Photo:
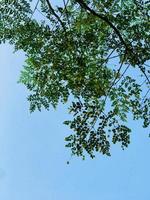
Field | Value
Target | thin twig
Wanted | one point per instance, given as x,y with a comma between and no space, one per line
113,83
108,57
118,72
114,56
41,13
122,74
145,95
35,8
65,8
143,82
143,71
147,65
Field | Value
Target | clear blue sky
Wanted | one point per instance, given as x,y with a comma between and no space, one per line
33,157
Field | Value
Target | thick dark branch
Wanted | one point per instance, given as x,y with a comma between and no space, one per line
54,13
104,18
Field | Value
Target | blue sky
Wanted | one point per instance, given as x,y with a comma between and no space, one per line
33,157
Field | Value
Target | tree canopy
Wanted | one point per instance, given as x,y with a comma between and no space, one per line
92,54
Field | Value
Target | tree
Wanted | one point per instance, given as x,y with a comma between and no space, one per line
90,52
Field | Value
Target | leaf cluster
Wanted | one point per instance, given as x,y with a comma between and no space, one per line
95,52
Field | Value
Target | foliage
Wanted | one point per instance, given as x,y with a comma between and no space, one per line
96,53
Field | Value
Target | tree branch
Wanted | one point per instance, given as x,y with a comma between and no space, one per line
54,13
35,8
143,71
104,18
109,89
122,75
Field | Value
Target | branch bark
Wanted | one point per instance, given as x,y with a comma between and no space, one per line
105,19
54,13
